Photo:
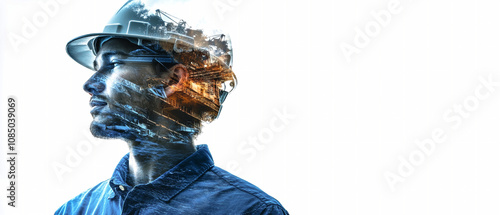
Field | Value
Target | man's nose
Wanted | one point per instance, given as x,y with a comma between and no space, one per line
95,85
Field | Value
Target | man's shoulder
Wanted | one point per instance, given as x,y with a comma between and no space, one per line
239,191
242,185
86,199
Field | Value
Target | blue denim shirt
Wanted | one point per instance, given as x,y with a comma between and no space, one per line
194,186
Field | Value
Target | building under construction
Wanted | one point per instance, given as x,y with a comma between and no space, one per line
208,62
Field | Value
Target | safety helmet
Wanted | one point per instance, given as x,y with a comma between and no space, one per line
208,58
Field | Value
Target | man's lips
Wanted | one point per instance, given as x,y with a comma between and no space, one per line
95,102
97,105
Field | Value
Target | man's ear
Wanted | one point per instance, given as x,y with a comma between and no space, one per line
177,80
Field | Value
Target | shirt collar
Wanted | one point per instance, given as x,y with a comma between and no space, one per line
171,182
119,178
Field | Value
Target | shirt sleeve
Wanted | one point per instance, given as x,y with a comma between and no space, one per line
274,210
61,210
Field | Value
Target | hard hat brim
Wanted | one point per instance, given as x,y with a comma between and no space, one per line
82,50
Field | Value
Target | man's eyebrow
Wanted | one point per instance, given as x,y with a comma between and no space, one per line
108,55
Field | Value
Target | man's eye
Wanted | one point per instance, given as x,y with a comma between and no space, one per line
115,63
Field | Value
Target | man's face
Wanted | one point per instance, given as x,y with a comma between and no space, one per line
121,107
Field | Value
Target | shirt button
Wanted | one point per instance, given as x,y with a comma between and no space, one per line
121,187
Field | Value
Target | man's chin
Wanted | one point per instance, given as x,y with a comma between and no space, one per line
100,130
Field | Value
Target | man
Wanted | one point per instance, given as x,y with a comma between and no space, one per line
155,82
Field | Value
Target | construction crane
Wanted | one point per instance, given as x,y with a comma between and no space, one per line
181,24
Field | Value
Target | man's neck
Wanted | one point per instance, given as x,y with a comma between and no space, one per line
149,160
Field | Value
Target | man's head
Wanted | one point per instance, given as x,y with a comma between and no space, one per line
154,76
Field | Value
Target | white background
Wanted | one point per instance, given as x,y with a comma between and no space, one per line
352,121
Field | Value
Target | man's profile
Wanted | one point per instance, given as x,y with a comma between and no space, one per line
156,81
